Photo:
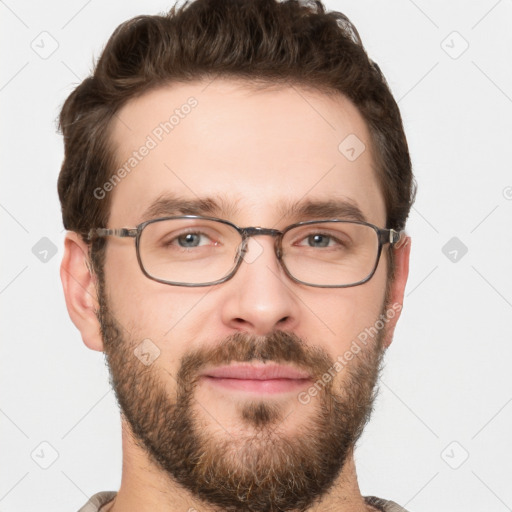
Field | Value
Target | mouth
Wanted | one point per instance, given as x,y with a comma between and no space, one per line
262,378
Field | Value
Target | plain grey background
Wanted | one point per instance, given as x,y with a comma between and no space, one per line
440,435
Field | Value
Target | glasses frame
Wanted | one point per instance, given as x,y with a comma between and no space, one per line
384,236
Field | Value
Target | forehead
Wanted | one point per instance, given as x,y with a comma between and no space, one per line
257,155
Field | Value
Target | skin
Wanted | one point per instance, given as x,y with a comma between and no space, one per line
259,151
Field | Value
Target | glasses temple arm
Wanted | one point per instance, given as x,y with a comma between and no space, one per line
121,232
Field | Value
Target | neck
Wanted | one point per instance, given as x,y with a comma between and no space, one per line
145,487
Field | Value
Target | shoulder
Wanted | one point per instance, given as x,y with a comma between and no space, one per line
384,505
97,501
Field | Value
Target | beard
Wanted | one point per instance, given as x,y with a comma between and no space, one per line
263,467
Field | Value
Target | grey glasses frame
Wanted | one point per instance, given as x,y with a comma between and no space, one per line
384,236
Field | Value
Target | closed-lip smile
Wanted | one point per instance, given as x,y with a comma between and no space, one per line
262,378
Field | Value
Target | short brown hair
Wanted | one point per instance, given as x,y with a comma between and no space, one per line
261,41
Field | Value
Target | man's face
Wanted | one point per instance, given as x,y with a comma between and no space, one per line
257,154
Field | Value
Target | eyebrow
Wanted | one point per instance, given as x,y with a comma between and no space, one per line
169,205
345,209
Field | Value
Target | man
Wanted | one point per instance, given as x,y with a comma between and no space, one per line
235,187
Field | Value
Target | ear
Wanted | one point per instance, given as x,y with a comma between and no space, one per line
79,284
397,288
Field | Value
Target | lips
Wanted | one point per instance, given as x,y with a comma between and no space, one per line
265,378
260,372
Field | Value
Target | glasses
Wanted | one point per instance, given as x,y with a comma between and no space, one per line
192,250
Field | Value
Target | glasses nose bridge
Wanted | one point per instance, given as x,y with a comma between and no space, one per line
249,232
256,231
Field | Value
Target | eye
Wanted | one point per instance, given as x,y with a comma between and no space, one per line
319,240
189,240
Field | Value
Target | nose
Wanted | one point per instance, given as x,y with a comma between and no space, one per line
260,298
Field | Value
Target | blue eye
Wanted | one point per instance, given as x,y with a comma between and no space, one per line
189,240
318,240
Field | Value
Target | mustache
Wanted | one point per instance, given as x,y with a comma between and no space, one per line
278,347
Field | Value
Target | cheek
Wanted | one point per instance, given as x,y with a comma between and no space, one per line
146,308
340,316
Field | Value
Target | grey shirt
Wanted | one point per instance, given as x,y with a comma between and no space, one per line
102,498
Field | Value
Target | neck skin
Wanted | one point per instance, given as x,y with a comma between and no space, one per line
145,488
